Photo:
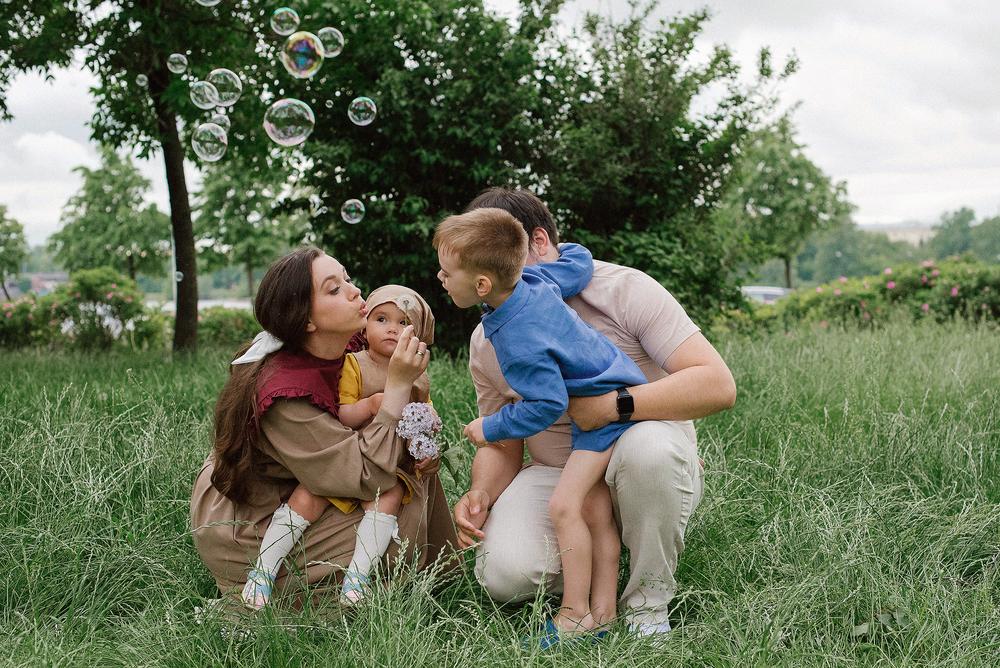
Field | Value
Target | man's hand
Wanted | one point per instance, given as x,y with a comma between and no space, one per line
591,413
471,512
474,432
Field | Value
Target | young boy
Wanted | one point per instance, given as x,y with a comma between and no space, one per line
547,354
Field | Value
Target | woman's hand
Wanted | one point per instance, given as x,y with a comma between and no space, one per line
409,360
591,413
471,512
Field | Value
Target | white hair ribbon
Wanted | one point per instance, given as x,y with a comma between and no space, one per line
263,345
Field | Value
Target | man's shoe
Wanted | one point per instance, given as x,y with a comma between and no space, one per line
646,629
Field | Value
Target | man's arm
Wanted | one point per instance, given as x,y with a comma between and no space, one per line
700,383
493,469
493,466
571,273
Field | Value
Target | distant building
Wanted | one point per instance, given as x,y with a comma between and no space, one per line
915,234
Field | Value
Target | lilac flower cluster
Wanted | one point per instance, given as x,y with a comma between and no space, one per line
419,424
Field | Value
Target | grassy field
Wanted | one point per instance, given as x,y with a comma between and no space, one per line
851,517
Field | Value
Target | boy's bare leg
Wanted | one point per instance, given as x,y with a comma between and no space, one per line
582,471
606,552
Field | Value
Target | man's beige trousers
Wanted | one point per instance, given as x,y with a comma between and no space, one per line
656,483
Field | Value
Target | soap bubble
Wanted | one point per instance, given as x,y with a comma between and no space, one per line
333,41
221,120
177,63
284,20
227,85
362,111
329,104
209,142
352,211
204,95
302,54
288,122
178,276
208,3
142,80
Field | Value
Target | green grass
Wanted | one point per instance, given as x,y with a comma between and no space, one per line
851,517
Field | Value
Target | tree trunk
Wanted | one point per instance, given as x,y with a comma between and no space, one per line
788,272
185,260
3,284
250,280
131,267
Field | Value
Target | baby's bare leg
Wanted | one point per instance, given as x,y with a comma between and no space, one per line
307,504
387,502
606,552
583,470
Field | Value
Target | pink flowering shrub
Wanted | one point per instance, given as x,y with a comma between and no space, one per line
17,322
97,309
943,291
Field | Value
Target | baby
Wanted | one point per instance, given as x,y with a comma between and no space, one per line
547,354
362,381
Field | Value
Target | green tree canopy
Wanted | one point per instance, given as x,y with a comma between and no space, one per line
953,234
106,222
778,198
986,240
13,248
633,167
238,220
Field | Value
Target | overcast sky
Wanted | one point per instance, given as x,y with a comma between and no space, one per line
900,99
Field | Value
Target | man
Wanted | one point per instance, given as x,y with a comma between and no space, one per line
655,475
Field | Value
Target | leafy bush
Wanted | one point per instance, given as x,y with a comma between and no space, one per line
16,322
944,291
226,327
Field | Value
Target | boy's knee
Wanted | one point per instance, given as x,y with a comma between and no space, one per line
559,510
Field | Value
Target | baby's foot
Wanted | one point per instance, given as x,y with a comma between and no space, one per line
257,591
353,589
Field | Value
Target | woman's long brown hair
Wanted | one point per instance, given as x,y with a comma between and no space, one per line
282,306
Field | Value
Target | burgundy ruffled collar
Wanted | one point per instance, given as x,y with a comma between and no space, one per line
289,375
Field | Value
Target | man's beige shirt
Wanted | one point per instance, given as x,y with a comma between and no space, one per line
629,307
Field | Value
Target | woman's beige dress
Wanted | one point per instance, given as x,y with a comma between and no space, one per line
302,443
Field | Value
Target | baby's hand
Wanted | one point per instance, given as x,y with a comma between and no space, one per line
474,432
375,403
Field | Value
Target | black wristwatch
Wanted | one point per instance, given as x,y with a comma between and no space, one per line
626,405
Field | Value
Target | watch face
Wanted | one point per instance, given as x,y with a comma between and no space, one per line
625,403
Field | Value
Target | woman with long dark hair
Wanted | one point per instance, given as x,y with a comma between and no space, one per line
276,425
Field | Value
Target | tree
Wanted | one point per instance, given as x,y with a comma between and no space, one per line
953,234
846,250
630,167
462,102
778,198
106,223
237,218
127,38
13,248
986,240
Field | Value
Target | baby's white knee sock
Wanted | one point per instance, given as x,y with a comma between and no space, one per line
375,532
286,529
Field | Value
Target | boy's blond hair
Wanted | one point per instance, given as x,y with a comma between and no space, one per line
485,240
